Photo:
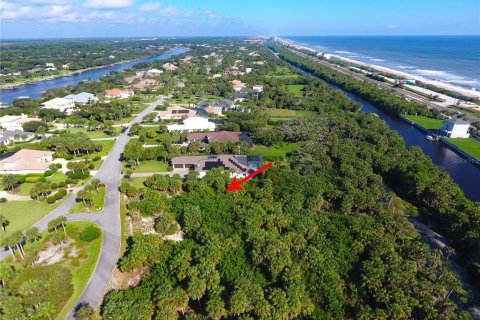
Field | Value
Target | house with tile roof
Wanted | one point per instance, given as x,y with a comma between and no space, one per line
26,161
176,112
237,165
219,136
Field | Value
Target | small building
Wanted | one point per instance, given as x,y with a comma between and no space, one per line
26,161
176,112
50,65
82,98
60,104
193,124
9,136
455,128
238,165
118,94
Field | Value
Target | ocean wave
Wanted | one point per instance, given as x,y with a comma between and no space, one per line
405,67
344,52
444,76
473,83
377,60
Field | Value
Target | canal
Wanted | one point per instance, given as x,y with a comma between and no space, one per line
34,90
462,171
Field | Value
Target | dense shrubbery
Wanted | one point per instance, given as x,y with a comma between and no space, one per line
90,233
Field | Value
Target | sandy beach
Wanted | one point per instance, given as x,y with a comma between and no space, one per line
406,75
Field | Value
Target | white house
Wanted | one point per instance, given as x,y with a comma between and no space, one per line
9,136
455,128
257,88
154,72
193,124
61,104
82,97
15,122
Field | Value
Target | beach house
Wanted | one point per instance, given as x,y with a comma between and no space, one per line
118,94
455,128
176,112
60,104
82,98
193,124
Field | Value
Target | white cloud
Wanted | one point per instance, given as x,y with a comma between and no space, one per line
9,12
170,12
211,14
189,14
392,26
55,11
51,1
151,6
108,4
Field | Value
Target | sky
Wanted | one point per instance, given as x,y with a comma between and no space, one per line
152,18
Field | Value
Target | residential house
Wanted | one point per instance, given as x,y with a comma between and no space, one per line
220,136
257,88
238,165
15,122
237,85
26,161
144,84
455,128
82,98
9,136
118,93
176,112
60,104
50,65
169,66
153,72
193,124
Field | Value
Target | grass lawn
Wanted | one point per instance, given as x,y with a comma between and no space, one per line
426,122
54,178
136,181
98,203
107,146
470,111
296,89
95,134
147,166
470,146
274,151
83,271
124,120
287,113
22,214
282,72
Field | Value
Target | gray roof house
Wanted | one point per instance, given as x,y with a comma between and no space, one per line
82,97
8,136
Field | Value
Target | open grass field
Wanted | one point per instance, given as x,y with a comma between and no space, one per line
54,178
426,122
136,181
296,89
95,134
275,151
98,203
470,146
107,146
147,166
83,271
22,214
282,72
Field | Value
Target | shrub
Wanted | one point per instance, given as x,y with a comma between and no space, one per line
78,174
62,184
54,185
91,166
68,157
51,199
96,158
90,233
58,165
71,181
35,179
60,194
3,200
48,173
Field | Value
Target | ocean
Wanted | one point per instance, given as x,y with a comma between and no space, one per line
454,60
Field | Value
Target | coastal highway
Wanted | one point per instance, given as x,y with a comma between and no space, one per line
399,91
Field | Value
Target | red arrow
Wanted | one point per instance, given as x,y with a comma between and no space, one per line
236,185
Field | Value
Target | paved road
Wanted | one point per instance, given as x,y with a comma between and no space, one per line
108,219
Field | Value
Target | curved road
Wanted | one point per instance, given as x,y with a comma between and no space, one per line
108,219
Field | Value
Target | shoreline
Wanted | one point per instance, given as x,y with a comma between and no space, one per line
457,89
14,85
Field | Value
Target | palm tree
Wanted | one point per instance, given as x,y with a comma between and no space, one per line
10,243
45,309
4,222
17,236
52,224
62,220
33,234
9,182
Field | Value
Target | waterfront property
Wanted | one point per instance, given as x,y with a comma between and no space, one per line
82,98
26,161
193,124
455,128
238,165
60,104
